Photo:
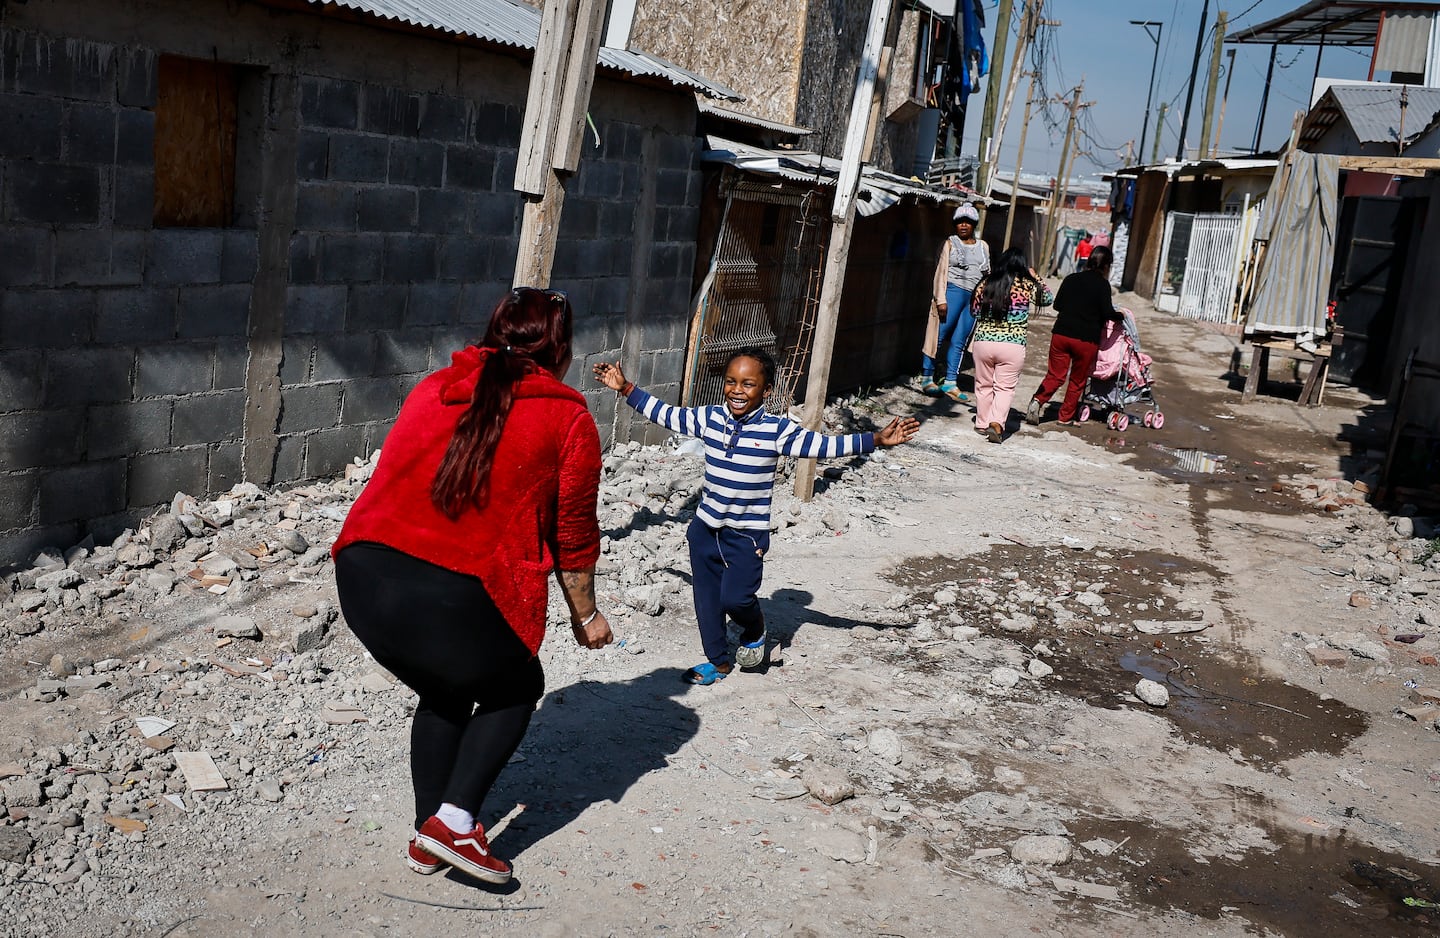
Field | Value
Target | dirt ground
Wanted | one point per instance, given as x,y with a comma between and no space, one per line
957,628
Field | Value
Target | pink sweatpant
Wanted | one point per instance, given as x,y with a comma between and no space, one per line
997,372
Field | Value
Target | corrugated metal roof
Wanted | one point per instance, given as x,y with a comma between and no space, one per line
879,190
509,23
1327,22
1373,111
751,120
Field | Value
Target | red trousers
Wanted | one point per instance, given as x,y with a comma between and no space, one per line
1076,357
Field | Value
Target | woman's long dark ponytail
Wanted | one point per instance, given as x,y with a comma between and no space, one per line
529,330
995,289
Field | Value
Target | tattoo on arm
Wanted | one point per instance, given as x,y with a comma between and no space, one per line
579,589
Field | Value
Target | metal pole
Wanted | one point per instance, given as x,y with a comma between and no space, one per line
1194,73
1264,101
1150,89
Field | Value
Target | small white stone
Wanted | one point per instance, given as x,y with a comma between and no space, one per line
1152,693
1038,668
1004,677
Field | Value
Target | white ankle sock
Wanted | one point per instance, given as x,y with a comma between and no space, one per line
457,819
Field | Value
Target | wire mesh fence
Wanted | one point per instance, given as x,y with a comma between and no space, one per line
762,289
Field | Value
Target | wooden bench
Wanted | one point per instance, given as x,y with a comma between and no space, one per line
1312,392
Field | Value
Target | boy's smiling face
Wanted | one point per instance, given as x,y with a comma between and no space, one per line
745,386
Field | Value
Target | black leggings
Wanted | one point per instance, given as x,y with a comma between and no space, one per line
440,633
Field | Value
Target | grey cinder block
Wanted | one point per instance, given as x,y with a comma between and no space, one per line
343,356
88,375
154,478
46,318
173,368
184,256
208,418
126,429
136,315
78,493
53,193
32,127
327,102
309,407
214,311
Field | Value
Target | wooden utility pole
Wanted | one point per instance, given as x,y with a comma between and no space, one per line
561,76
1212,85
878,37
1052,226
1224,99
989,154
1019,161
1159,126
1029,22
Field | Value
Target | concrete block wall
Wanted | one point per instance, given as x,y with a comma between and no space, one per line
128,353
122,347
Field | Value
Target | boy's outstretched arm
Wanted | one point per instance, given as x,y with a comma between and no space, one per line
898,431
610,375
684,420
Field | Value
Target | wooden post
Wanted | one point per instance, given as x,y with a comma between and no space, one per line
1212,85
561,77
842,218
1052,226
1019,161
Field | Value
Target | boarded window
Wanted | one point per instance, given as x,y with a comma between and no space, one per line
195,115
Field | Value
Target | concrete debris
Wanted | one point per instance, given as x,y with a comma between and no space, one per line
828,784
1042,850
885,745
236,627
1087,890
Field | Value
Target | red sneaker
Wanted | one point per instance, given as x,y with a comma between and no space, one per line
420,860
468,853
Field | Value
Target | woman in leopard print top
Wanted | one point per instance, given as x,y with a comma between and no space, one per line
1002,313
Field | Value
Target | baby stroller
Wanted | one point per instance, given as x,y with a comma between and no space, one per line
1121,378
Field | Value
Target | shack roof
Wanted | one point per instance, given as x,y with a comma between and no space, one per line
878,190
1328,22
1373,111
508,23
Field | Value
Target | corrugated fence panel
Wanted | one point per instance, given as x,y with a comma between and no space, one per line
1294,281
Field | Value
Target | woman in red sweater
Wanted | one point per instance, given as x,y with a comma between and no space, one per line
486,484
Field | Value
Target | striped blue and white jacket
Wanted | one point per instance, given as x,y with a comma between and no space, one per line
741,455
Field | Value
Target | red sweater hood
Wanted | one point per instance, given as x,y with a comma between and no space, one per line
543,485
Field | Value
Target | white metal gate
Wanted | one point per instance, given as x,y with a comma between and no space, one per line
1212,268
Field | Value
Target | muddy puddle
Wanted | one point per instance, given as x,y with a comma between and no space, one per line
1215,700
1305,885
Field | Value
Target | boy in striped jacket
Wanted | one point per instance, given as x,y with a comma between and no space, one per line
731,531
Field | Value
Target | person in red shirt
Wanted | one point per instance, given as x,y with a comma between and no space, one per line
487,482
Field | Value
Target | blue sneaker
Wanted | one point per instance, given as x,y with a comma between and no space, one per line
751,654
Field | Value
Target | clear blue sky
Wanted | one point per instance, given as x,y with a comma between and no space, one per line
1095,41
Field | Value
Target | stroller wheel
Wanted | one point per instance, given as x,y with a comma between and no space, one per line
1083,415
1158,420
1149,418
1121,422
1110,420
